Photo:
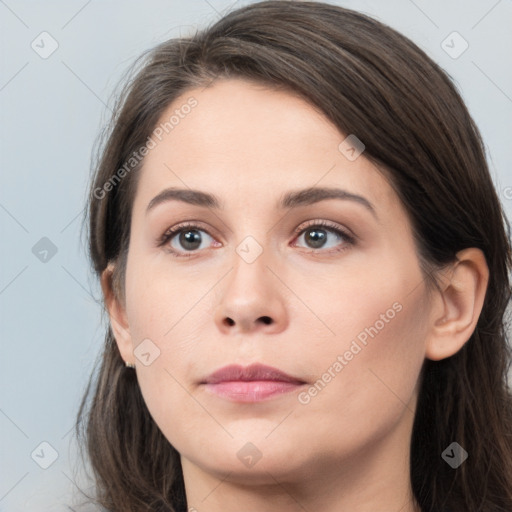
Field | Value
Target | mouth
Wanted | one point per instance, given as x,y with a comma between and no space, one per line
253,383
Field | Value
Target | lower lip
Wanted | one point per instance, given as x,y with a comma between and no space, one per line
251,391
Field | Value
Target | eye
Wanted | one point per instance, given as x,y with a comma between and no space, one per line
316,236
184,238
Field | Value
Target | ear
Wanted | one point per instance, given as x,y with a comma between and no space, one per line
457,308
117,315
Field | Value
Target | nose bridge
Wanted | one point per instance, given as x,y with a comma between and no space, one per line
249,278
251,295
252,250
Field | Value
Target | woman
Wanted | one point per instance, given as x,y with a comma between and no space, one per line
305,267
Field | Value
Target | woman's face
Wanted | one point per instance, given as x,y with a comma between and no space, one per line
258,280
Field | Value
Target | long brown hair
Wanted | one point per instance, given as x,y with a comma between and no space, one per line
371,81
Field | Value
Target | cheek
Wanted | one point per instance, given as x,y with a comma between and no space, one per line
157,303
367,371
164,334
164,315
180,417
376,367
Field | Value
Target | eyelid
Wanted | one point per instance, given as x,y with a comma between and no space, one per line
175,229
346,232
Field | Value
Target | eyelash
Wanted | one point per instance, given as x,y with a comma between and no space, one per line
350,240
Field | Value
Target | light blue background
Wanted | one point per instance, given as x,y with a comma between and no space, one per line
51,113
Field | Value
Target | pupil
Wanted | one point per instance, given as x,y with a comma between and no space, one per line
316,237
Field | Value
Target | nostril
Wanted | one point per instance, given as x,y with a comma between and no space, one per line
265,319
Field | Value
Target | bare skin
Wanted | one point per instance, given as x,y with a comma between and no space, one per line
344,446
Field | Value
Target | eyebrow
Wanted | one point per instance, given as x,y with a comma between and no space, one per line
292,199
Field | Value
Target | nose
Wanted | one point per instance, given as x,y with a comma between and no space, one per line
252,299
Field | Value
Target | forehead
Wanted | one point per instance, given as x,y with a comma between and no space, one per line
248,143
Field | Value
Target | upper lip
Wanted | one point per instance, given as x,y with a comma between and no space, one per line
254,371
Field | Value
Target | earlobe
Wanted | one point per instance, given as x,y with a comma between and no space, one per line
117,315
459,305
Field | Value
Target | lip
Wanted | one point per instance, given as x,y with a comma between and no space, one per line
254,383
